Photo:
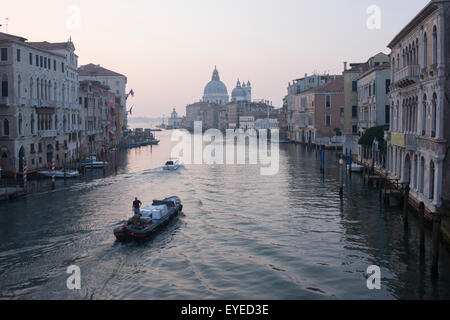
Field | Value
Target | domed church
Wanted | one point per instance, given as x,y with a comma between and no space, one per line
242,93
216,91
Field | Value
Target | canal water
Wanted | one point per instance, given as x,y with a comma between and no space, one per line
242,235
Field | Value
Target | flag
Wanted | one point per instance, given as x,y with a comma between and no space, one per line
132,92
131,111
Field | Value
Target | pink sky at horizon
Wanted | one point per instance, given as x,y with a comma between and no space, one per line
168,49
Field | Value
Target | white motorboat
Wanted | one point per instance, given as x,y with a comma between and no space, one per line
60,174
172,164
356,168
91,162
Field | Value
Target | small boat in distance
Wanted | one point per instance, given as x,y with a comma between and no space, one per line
154,142
91,162
355,168
153,217
60,174
172,164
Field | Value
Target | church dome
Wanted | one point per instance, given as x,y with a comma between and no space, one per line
238,92
215,86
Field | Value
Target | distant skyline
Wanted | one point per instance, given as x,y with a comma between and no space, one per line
168,49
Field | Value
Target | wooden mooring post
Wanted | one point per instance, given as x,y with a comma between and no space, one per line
435,244
422,228
405,206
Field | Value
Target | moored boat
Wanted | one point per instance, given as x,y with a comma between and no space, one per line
91,162
153,218
60,174
154,142
355,168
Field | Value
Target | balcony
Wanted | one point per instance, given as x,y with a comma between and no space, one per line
21,101
94,132
407,76
4,101
48,134
46,103
404,140
410,142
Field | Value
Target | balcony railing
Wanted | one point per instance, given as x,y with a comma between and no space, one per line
407,76
410,142
48,134
4,101
404,140
21,101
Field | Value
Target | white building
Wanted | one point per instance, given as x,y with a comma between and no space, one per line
247,122
419,134
175,121
373,95
39,111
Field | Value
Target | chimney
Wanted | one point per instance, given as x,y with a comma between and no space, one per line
345,66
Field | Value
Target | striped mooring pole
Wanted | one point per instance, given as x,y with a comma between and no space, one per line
53,175
25,169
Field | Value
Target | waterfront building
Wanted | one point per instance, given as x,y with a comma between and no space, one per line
419,131
294,122
320,113
175,121
373,99
195,112
374,107
115,81
39,113
351,109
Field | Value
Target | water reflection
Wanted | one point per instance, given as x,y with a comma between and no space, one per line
243,235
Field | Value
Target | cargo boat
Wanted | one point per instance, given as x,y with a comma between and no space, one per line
153,218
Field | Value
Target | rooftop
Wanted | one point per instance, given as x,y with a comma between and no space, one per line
95,70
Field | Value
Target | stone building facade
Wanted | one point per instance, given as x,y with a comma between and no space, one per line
420,112
39,111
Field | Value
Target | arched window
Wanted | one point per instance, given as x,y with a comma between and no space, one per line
6,128
431,195
5,86
424,115
20,124
31,88
416,168
19,87
38,89
417,51
435,45
425,50
422,174
433,115
397,116
32,124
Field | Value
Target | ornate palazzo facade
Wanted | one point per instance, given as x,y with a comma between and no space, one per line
419,114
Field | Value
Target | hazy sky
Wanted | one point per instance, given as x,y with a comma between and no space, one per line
168,49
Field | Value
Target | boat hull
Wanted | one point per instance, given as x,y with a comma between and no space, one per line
129,232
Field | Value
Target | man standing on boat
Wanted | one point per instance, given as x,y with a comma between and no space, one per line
137,206
137,211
